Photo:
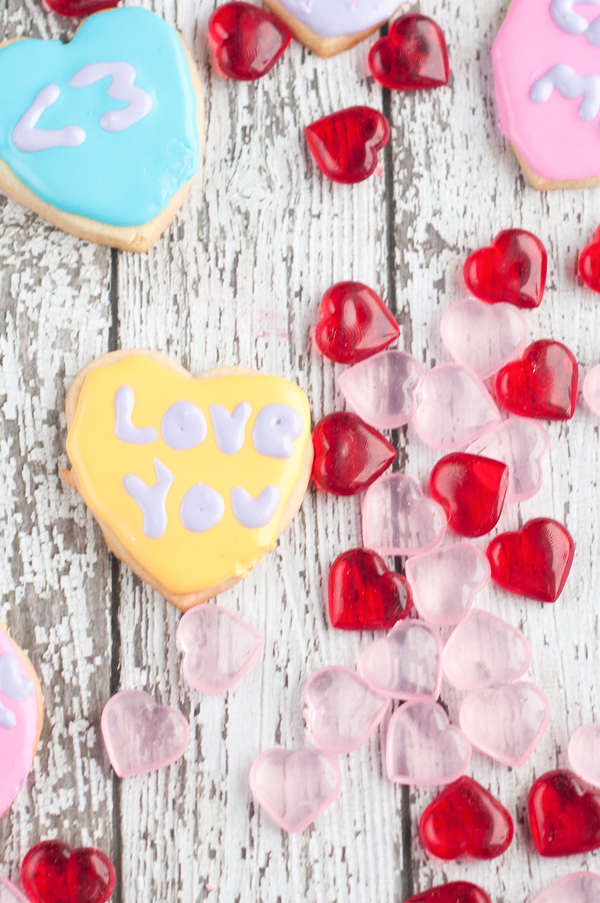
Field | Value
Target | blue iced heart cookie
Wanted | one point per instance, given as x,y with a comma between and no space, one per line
105,127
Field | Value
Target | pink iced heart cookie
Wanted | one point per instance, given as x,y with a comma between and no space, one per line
591,389
484,337
506,723
11,894
218,648
344,710
579,887
584,753
485,650
445,581
383,389
398,519
407,664
522,445
456,408
295,787
141,736
423,749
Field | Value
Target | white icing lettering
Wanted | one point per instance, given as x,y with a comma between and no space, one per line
570,85
11,683
275,429
151,499
8,719
124,428
201,508
572,23
122,75
183,426
27,138
230,429
254,513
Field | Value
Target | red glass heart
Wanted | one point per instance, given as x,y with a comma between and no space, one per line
512,269
349,454
413,55
588,265
354,323
54,873
564,815
364,594
542,384
454,892
246,41
535,561
77,8
345,144
471,490
466,821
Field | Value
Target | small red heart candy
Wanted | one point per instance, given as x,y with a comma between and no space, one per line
542,384
564,814
471,490
512,269
466,821
364,594
413,55
588,265
354,323
345,144
246,41
454,892
534,561
54,873
349,454
78,8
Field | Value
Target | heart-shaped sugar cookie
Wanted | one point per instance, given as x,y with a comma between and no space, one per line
191,480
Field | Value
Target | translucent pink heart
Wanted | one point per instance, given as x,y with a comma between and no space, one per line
218,647
485,650
591,389
484,337
579,887
522,445
382,389
406,664
584,753
445,581
398,519
456,408
295,787
141,736
423,748
344,710
10,894
506,723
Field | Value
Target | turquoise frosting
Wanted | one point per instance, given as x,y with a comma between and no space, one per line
123,178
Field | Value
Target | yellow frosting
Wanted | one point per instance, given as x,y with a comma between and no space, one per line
180,560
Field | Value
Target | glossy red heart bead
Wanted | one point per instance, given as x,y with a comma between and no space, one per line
542,384
364,594
345,144
354,323
245,40
413,55
78,8
534,561
471,490
588,265
466,822
564,814
349,454
453,892
52,872
513,269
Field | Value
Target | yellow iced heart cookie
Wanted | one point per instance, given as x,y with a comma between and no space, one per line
191,480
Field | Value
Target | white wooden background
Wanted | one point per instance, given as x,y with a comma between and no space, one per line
237,280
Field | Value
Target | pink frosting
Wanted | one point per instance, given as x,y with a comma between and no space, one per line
17,743
551,136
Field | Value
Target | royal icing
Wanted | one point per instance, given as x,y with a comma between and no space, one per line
547,74
331,18
105,126
19,717
203,502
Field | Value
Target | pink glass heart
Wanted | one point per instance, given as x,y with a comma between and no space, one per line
456,408
485,650
522,445
382,390
295,787
445,581
584,753
406,664
423,749
591,389
579,887
506,723
484,337
398,519
344,710
218,647
10,894
141,736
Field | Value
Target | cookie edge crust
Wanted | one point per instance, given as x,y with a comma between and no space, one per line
183,601
36,681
